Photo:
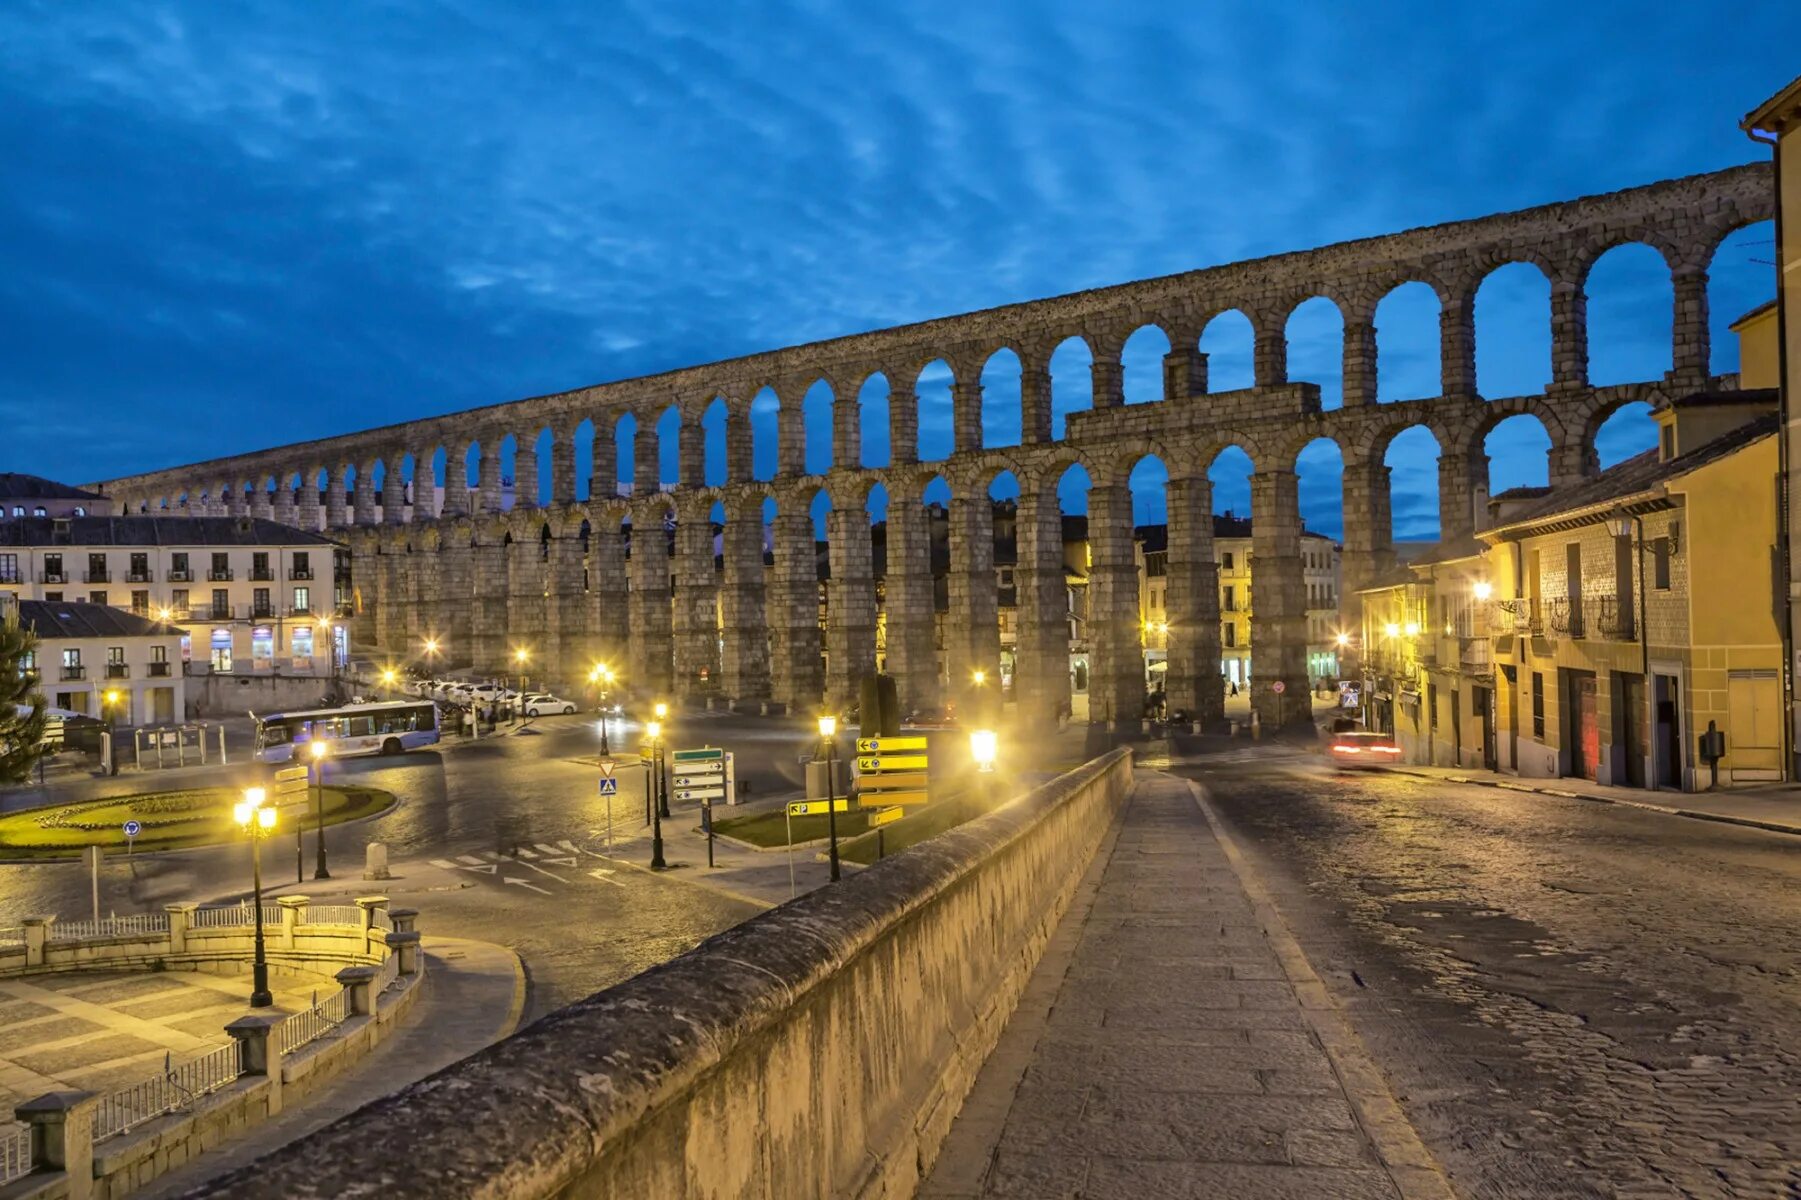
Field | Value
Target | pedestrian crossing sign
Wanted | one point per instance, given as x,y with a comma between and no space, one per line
609,786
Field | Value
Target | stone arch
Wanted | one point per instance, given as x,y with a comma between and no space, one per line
1517,447
1141,358
874,421
1228,344
1408,319
1001,377
933,383
1071,368
763,414
1617,426
818,403
1628,292
1736,274
1513,295
1314,332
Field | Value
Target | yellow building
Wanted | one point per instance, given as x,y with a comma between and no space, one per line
1777,123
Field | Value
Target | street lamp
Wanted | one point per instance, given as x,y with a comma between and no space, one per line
258,821
521,656
109,708
388,676
1483,589
654,730
661,711
982,748
1391,630
828,730
601,677
326,631
319,749
1412,629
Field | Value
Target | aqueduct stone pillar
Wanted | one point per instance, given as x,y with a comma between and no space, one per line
696,616
1034,399
488,603
972,626
1569,335
1457,346
903,422
525,476
567,649
1279,607
1116,689
609,597
652,662
1041,647
1690,349
794,613
850,607
525,602
909,609
744,623
456,604
1193,683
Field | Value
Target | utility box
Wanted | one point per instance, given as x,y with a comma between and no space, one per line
816,779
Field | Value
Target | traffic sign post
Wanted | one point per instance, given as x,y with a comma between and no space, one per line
892,771
132,829
817,808
705,775
706,821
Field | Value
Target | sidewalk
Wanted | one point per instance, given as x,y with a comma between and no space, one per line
1775,807
474,994
1174,1042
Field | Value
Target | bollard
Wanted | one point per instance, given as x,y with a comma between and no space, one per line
1256,725
375,862
258,1051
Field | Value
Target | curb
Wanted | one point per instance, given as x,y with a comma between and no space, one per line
1508,785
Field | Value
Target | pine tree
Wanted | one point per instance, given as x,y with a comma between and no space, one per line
21,732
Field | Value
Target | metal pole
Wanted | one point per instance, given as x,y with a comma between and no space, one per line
94,862
831,800
1644,645
259,995
319,869
605,750
656,810
788,820
706,812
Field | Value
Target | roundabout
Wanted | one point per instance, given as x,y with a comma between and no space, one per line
169,820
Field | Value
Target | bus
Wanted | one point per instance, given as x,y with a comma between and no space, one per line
390,727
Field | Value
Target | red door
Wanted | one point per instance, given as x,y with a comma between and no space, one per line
1588,728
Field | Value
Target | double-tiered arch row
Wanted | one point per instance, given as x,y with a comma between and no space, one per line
727,463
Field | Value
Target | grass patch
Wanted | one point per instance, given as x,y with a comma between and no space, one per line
172,820
771,828
928,820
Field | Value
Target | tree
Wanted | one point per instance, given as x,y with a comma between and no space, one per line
21,704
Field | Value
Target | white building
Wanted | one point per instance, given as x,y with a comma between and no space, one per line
105,662
252,597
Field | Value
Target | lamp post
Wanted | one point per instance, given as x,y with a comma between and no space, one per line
654,731
258,821
388,678
982,747
521,656
661,710
328,632
602,678
318,750
109,705
828,730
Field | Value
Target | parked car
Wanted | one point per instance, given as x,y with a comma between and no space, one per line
543,704
933,716
1362,749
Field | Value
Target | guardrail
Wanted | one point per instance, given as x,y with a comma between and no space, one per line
315,1022
15,1152
332,914
12,935
108,927
232,916
177,1087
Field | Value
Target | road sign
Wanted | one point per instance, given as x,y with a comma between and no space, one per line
815,808
868,799
290,781
705,774
1278,687
609,786
892,762
606,768
900,781
886,816
888,745
705,754
132,829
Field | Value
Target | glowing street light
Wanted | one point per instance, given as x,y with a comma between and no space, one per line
982,747
1391,630
1483,589
654,731
257,821
1412,629
828,732
1342,639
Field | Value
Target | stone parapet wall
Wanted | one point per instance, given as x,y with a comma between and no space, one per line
821,1049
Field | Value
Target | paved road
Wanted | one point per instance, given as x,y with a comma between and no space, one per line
1571,999
499,840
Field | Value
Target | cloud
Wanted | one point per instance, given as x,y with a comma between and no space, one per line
233,227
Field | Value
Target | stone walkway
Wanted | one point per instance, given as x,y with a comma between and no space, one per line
1174,1043
101,1030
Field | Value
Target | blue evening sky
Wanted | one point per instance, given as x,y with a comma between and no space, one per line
228,227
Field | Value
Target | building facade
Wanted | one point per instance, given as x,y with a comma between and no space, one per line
104,662
35,496
1598,632
250,596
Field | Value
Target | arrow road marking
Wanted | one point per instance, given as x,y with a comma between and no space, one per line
534,887
563,862
522,852
542,871
605,875
547,849
470,860
443,864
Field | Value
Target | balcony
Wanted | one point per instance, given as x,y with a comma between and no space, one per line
101,576
217,612
180,575
74,672
300,610
1476,656
9,577
118,671
55,577
1518,616
300,574
262,575
218,576
1613,619
138,577
262,612
1562,617
159,670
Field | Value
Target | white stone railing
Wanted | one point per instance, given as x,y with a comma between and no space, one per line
332,914
109,927
176,1088
15,1151
317,1021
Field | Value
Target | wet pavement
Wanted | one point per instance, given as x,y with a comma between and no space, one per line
1569,999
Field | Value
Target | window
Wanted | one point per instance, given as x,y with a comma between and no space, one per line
221,650
53,568
18,510
96,597
262,645
1225,560
259,564
71,656
1231,634
303,600
1660,564
159,654
302,641
1231,604
303,566
9,568
178,565
1538,705
1432,706
140,601
96,568
28,662
40,511
178,600
259,602
221,568
53,597
140,568
221,602
81,510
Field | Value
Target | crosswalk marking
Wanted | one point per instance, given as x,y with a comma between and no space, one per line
547,849
522,852
470,860
605,875
443,864
570,861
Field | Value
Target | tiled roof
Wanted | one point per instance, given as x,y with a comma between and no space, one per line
15,486
154,531
64,620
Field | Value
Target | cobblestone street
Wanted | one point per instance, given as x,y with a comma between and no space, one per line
1569,999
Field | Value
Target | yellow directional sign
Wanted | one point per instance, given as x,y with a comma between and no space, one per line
888,745
815,808
886,816
869,799
906,781
290,773
892,762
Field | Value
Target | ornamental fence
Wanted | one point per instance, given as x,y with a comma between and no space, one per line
15,1152
110,927
175,1089
317,1021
